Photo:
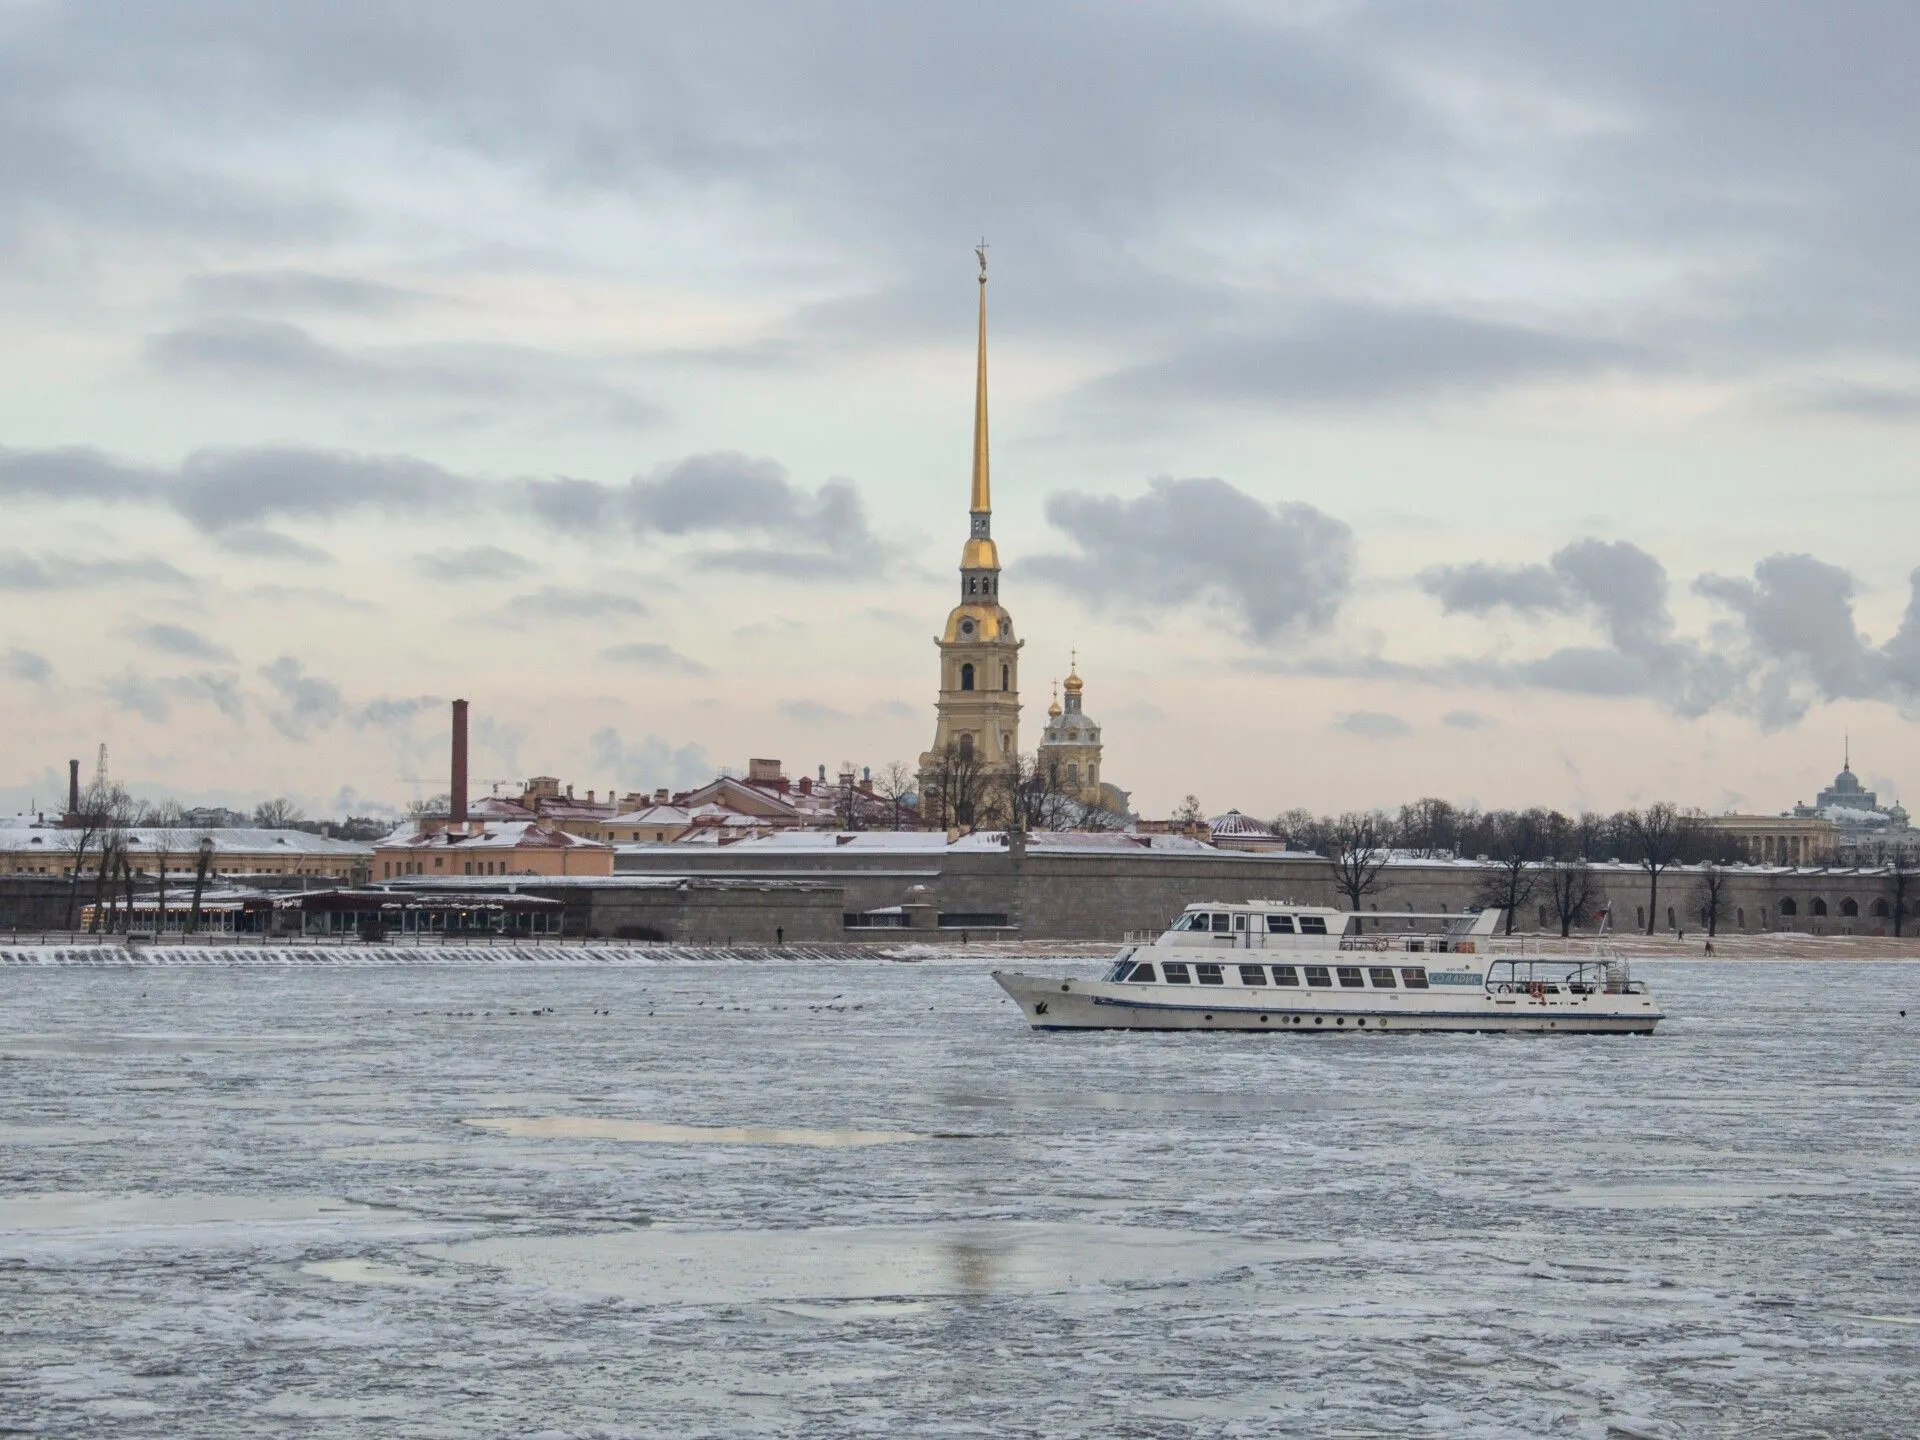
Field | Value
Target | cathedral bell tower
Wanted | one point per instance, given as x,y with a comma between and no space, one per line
979,706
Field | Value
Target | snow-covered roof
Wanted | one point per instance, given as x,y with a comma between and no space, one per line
507,835
1234,823
184,839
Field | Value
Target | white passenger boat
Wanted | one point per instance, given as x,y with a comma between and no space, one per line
1273,966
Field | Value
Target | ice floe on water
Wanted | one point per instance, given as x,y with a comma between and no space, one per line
652,1132
737,1267
651,1196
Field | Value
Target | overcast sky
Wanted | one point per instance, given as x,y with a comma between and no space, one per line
1510,402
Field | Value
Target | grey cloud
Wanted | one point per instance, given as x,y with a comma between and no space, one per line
646,655
221,489
822,533
310,595
179,640
476,562
1792,642
896,710
388,713
810,712
306,702
1895,404
649,763
554,602
246,350
1281,569
26,665
1478,587
1345,354
1373,725
1467,720
153,698
258,543
1771,173
297,290
21,571
1622,583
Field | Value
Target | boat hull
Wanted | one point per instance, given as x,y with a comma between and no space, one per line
1067,1003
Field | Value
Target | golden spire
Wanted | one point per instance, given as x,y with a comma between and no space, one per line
1074,683
1054,708
982,500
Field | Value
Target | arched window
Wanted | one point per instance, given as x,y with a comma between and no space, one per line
966,677
1006,677
1849,907
1670,921
1789,906
1819,907
1073,774
973,586
966,742
1740,918
1639,917
1880,910
1093,774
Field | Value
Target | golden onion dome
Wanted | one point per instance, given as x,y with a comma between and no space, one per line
1075,684
1053,710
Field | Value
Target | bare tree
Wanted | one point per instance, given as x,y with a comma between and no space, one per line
954,789
1428,827
1901,881
278,813
1514,840
1710,894
203,862
1188,813
1302,830
1658,838
1574,893
1357,848
1099,814
895,785
430,808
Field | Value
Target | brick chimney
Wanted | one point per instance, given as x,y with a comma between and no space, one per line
457,796
73,787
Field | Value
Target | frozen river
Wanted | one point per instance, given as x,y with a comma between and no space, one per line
861,1198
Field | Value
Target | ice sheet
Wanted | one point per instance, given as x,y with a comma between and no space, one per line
246,1199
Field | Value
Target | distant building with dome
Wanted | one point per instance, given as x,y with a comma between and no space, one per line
1845,825
1070,750
1865,833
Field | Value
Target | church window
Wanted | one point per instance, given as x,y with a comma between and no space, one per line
966,744
1006,677
1073,774
1006,744
966,677
973,586
1093,774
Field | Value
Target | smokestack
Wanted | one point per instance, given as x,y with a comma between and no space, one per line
73,787
457,809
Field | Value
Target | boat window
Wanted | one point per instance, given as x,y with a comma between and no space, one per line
1279,924
1381,977
1208,974
1221,921
1285,975
1414,977
1252,975
1176,972
1239,922
1142,971
1350,977
1317,975
1313,924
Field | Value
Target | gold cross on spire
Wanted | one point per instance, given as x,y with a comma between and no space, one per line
981,251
